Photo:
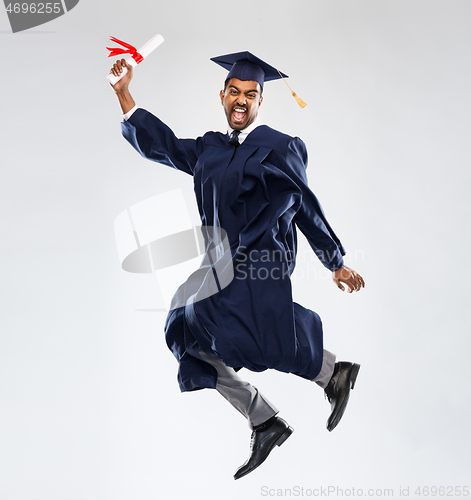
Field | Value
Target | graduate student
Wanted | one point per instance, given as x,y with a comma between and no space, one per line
251,183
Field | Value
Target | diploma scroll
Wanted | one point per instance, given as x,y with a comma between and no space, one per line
137,57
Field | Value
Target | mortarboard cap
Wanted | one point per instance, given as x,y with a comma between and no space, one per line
245,66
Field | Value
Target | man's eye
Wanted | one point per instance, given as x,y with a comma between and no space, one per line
233,92
251,96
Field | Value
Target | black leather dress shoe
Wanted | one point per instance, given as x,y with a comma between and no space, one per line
261,444
338,390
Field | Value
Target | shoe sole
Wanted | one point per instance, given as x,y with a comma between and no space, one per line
352,379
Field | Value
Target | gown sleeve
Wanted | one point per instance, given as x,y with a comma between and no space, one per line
310,218
155,141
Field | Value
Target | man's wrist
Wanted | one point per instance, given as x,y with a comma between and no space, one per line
125,100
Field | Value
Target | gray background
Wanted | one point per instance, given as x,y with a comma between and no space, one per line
89,403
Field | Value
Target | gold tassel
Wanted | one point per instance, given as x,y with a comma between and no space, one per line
299,100
301,103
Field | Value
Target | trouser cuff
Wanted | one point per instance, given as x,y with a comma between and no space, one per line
327,369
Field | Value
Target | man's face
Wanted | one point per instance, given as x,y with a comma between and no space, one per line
241,101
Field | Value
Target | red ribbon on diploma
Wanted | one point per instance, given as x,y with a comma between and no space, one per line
130,50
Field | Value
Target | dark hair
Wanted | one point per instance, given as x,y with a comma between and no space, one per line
226,81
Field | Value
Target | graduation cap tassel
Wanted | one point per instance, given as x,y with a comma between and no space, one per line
301,103
299,100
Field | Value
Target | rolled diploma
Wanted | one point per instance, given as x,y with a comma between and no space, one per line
145,50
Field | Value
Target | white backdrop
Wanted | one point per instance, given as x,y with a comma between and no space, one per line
89,403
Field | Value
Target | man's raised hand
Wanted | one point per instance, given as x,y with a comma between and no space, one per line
116,70
122,86
350,278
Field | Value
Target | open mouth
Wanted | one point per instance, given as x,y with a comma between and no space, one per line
238,114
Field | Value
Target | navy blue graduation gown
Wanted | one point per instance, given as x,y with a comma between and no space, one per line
258,193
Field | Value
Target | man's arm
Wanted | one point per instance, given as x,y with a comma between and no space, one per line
313,223
154,140
149,135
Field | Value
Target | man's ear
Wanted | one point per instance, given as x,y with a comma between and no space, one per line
261,99
221,95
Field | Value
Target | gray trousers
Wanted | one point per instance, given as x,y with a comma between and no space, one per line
246,398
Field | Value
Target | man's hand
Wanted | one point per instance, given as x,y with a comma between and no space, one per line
116,70
350,278
122,87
